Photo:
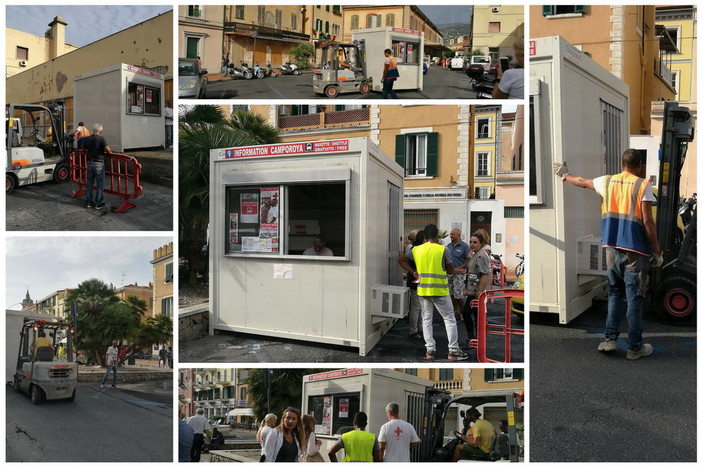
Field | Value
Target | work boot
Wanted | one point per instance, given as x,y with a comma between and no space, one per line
608,346
645,350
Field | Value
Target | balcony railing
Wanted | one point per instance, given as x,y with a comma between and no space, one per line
449,385
664,72
344,118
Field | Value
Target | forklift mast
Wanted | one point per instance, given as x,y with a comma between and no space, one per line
678,131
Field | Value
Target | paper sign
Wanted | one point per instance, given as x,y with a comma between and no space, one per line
282,271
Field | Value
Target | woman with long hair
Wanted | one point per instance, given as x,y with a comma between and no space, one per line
312,449
266,426
285,442
477,279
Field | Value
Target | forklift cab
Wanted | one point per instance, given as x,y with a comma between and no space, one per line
43,371
343,70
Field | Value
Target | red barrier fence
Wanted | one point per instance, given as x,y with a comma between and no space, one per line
484,328
122,176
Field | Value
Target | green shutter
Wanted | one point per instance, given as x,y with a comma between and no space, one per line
518,374
401,151
580,9
433,154
489,375
547,10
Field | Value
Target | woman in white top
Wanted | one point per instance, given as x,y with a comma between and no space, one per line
285,442
312,450
266,426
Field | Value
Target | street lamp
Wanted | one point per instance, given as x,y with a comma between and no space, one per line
268,373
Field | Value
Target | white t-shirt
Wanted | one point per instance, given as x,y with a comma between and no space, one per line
512,83
598,183
199,424
168,115
397,436
112,354
324,252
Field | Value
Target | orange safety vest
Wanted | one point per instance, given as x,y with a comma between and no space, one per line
622,213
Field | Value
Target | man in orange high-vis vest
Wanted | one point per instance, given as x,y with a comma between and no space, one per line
433,262
629,235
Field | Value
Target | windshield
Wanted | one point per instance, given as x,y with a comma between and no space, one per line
186,68
481,59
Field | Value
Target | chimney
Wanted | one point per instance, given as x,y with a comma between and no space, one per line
57,43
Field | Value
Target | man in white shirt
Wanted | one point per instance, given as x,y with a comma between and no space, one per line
396,436
201,426
111,360
319,248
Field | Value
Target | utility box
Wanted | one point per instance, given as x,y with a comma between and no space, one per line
334,397
268,204
14,319
579,115
408,49
128,101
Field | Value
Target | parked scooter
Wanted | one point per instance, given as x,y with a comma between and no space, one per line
289,68
499,277
269,71
688,206
243,73
482,82
261,73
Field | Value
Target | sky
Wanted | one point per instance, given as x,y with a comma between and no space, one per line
86,24
48,264
446,14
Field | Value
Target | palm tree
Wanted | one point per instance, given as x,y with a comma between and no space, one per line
286,389
92,296
201,129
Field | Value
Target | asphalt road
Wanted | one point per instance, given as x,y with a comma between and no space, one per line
131,423
48,206
588,406
438,84
393,347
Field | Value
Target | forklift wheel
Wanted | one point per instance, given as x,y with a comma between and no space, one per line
61,173
675,301
10,183
365,88
36,394
331,91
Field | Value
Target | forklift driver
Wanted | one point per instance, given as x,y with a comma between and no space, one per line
481,442
42,341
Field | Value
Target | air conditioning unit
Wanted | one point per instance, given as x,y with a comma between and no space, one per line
23,63
389,301
591,258
495,9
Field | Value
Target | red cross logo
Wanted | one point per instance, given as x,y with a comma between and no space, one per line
398,431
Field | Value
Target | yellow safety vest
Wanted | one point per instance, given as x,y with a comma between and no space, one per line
622,213
433,280
358,446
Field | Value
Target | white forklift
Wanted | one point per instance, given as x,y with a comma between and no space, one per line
343,69
37,144
41,371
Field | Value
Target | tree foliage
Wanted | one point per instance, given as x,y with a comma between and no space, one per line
302,53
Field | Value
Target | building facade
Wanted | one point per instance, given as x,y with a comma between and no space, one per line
201,34
162,299
186,403
223,394
680,22
56,305
24,51
496,28
145,293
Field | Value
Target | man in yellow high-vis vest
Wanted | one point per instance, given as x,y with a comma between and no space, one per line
434,263
629,235
359,445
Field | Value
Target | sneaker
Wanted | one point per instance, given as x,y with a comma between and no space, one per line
416,336
99,206
457,355
102,386
645,350
430,354
89,205
607,346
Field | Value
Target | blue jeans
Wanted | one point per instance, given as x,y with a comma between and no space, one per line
169,136
96,175
387,89
627,273
114,375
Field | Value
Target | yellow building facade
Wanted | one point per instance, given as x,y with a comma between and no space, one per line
393,16
623,40
495,28
163,271
487,149
681,24
200,34
24,51
55,304
145,293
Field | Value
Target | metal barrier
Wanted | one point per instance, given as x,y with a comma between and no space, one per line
484,328
122,176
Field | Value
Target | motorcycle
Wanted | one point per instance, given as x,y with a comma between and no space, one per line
483,82
289,68
261,73
244,72
519,269
499,276
269,71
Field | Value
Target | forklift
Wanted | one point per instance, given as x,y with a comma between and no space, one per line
674,283
37,145
343,69
435,447
42,371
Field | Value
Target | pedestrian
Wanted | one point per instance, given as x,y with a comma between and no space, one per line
185,441
457,282
433,263
111,359
358,445
477,280
396,436
629,237
390,74
284,443
80,133
511,82
201,427
266,426
481,442
97,148
162,356
170,357
217,440
61,352
311,452
414,238
225,64
168,116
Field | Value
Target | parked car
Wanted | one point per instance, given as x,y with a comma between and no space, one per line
192,80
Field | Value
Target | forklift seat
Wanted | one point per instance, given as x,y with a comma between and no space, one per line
44,353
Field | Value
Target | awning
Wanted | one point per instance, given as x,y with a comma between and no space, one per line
241,412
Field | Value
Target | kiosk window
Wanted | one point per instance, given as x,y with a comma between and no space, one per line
252,219
406,52
143,99
333,412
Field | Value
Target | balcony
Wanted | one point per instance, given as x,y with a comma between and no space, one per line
324,120
449,385
663,72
